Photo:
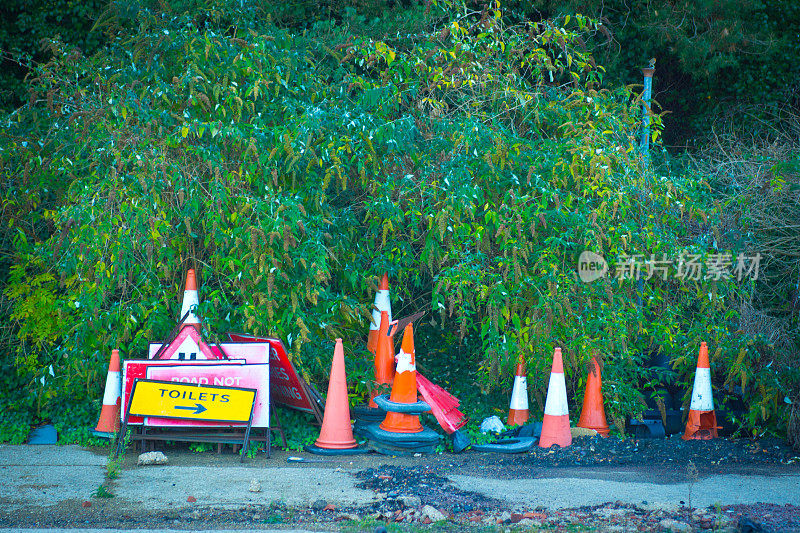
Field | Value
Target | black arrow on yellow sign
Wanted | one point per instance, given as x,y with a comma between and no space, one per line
198,408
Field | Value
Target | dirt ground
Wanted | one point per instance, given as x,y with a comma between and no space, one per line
409,491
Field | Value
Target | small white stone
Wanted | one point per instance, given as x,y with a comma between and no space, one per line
152,458
434,514
255,486
674,526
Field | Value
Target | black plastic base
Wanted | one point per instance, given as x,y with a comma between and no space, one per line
389,443
460,441
386,404
518,445
646,429
316,450
387,449
368,414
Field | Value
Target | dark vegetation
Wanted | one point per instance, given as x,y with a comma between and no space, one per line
293,152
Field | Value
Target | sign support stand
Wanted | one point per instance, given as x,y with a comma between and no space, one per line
158,395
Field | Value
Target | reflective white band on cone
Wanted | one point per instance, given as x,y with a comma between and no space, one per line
556,404
702,398
113,389
381,304
190,303
519,395
404,363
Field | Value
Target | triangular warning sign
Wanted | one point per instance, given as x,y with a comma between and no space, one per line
188,345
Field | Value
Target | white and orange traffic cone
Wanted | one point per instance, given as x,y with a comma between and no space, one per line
702,420
518,410
190,301
108,424
382,303
384,359
404,389
555,424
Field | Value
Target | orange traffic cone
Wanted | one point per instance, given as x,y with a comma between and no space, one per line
518,410
384,359
381,304
336,432
109,415
702,420
190,301
555,424
593,415
404,389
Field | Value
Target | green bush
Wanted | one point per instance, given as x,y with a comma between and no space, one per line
474,161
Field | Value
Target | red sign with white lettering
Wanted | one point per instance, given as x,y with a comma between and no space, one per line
247,376
286,387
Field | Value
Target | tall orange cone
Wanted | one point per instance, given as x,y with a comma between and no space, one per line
593,414
336,432
109,415
384,358
518,410
555,424
190,301
404,389
382,303
702,420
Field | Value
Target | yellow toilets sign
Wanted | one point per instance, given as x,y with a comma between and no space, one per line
167,399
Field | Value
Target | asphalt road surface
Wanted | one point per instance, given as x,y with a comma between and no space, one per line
57,486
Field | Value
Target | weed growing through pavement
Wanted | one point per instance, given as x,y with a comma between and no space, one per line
102,492
113,467
718,520
691,470
114,461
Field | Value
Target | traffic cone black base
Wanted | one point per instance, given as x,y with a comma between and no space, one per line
365,413
388,405
519,445
328,451
424,441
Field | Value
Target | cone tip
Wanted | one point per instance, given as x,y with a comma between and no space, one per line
520,370
384,286
408,340
113,364
191,280
558,364
702,358
594,367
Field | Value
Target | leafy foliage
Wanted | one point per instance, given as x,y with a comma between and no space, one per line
473,160
712,55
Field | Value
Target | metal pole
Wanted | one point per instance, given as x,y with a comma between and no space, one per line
648,94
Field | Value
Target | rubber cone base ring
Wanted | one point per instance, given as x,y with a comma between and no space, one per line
426,437
368,414
387,405
520,445
387,449
326,451
103,434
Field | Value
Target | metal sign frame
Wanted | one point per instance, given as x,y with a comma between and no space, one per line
123,430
